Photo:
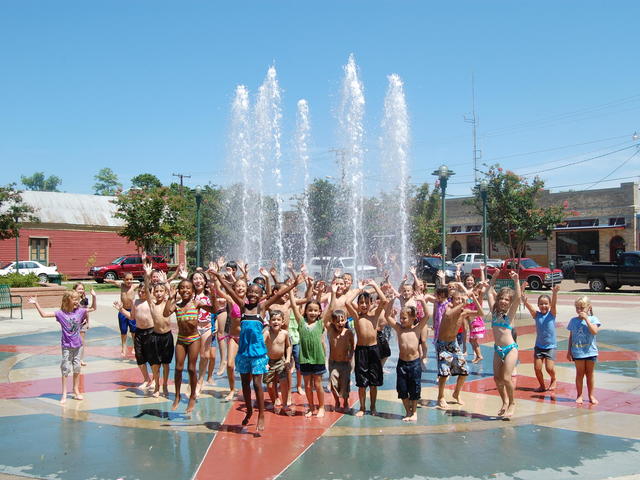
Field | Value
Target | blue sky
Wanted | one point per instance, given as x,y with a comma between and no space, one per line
146,86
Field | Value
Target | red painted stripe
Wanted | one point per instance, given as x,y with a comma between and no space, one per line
91,350
565,393
237,453
92,382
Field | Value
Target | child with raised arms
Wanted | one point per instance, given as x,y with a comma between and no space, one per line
341,347
70,317
78,287
545,347
233,320
504,306
408,369
141,314
583,350
368,364
449,354
279,352
161,340
312,354
127,296
252,359
182,302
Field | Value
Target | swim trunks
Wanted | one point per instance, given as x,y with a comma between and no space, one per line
450,359
549,353
252,365
125,323
162,348
142,345
368,366
276,370
383,344
340,377
408,378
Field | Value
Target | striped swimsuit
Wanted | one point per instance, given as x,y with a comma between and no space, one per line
190,314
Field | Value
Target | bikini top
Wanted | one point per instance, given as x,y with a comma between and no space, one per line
187,314
251,316
504,323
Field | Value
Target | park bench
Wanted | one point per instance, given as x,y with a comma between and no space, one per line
6,300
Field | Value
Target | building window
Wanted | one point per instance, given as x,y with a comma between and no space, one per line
617,222
582,223
474,244
39,250
473,228
582,245
456,228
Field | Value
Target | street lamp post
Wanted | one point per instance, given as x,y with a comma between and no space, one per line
17,219
443,174
483,193
198,202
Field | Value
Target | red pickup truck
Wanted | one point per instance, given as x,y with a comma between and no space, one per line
535,275
131,263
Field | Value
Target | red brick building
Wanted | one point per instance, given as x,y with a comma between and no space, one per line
74,232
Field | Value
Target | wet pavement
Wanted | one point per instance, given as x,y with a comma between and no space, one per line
120,432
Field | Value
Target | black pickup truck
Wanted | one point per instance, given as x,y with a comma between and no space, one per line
613,275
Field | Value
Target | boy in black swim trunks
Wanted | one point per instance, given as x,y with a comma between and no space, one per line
161,341
408,370
368,365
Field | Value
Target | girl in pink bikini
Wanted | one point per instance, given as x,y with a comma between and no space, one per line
234,316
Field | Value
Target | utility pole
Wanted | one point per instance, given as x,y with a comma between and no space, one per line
340,154
477,154
182,177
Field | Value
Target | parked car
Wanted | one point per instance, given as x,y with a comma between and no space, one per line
599,275
469,261
427,269
535,275
322,268
43,273
131,263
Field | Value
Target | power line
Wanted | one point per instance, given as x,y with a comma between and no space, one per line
615,169
581,161
561,116
587,183
562,147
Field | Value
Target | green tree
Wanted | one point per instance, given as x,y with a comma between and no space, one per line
323,201
145,181
513,210
40,183
106,182
12,207
425,220
154,217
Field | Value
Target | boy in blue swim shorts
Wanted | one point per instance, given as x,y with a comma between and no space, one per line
127,297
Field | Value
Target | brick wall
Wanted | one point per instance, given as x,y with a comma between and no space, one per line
70,250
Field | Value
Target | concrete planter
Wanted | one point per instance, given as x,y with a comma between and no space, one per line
49,295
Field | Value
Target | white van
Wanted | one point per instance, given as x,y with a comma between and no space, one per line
322,268
470,261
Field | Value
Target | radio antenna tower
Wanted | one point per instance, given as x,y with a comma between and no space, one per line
477,154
